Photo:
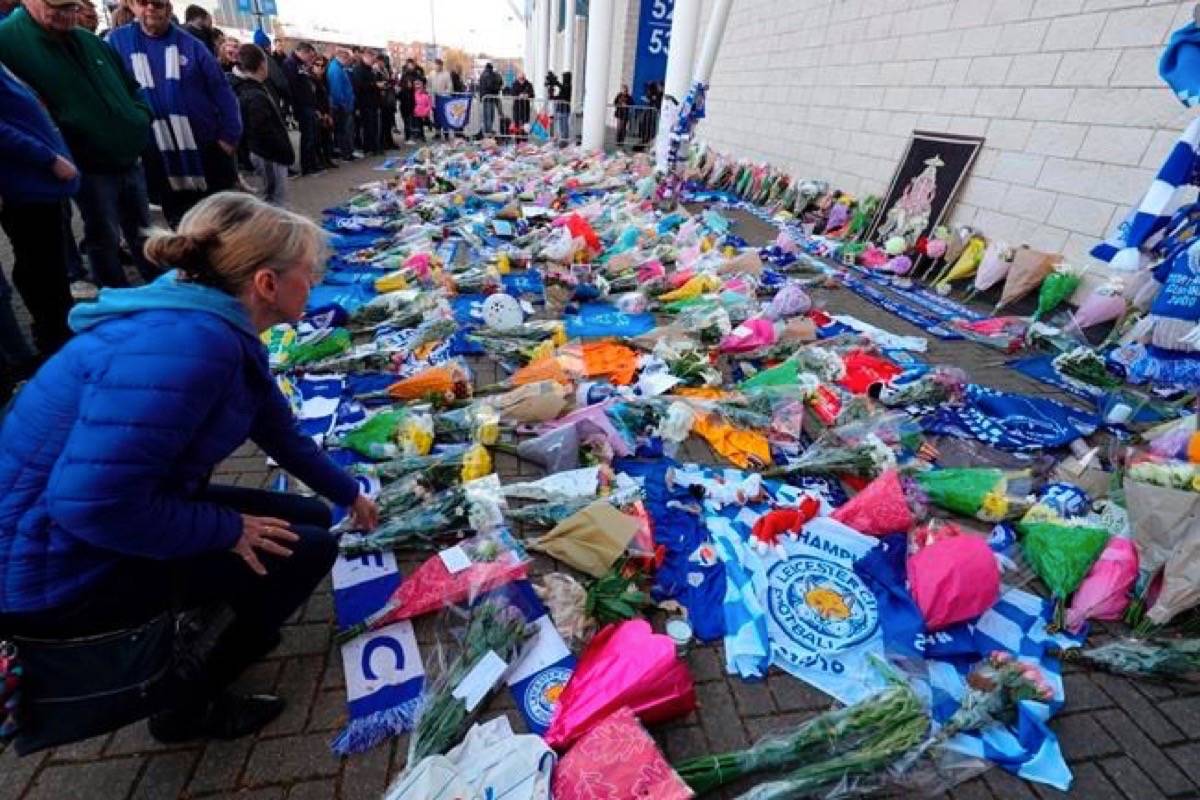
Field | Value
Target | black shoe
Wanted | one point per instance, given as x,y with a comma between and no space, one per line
229,716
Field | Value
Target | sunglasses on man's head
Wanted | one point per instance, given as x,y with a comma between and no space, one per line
155,4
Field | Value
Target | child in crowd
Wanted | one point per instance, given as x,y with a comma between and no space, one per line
422,107
266,136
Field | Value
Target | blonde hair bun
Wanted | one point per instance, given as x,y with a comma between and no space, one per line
227,237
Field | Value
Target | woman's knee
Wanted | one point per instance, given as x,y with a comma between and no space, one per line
315,551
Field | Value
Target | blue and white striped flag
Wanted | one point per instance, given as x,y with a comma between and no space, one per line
1028,749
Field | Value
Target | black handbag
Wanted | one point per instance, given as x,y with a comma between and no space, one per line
73,689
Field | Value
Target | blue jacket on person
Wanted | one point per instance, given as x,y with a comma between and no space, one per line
29,145
341,91
105,451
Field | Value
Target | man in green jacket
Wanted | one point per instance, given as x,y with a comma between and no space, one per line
103,118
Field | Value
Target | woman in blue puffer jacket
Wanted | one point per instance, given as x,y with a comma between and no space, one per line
106,515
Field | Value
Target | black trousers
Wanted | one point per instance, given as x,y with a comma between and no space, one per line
138,590
310,160
38,234
368,126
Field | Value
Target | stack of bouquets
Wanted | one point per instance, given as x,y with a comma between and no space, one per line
1165,520
476,505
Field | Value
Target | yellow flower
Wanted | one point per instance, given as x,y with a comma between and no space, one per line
503,266
994,507
560,334
416,437
476,463
542,350
705,244
488,431
1196,484
392,282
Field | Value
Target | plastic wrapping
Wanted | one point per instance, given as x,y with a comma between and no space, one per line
953,580
454,575
889,504
493,634
625,664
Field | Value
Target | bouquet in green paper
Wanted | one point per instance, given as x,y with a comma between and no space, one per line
841,744
1061,551
979,492
1056,289
326,343
390,434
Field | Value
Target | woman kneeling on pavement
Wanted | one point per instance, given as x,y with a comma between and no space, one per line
106,515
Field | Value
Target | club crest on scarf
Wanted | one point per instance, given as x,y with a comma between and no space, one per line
542,693
821,605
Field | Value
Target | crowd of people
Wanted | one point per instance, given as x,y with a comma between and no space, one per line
155,111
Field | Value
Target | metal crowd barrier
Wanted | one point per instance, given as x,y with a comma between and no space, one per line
635,131
522,112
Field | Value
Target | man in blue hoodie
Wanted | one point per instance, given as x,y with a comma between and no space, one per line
196,123
341,97
36,178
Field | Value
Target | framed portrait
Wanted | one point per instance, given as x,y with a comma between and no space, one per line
925,184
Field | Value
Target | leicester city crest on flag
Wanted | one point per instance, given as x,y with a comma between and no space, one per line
453,111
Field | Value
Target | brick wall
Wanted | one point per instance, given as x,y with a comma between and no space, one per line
1066,93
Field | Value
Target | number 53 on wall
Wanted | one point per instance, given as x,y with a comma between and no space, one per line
660,39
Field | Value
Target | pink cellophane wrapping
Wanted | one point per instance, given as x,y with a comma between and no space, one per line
750,335
625,664
432,586
954,580
1105,591
881,508
617,760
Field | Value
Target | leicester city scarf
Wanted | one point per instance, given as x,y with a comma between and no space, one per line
172,131
1166,193
384,673
1027,749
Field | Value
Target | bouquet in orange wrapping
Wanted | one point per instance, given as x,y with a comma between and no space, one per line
450,381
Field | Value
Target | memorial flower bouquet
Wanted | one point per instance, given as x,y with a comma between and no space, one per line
996,687
839,745
494,634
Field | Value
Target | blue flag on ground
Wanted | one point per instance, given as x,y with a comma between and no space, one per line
1027,749
1010,421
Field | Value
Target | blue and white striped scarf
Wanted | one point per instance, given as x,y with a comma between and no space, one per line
172,131
1123,250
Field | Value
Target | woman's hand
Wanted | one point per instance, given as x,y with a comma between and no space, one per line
364,513
64,170
265,534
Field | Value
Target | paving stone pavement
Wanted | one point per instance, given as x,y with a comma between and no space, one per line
1124,740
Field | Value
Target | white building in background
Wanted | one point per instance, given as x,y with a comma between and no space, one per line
1066,94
